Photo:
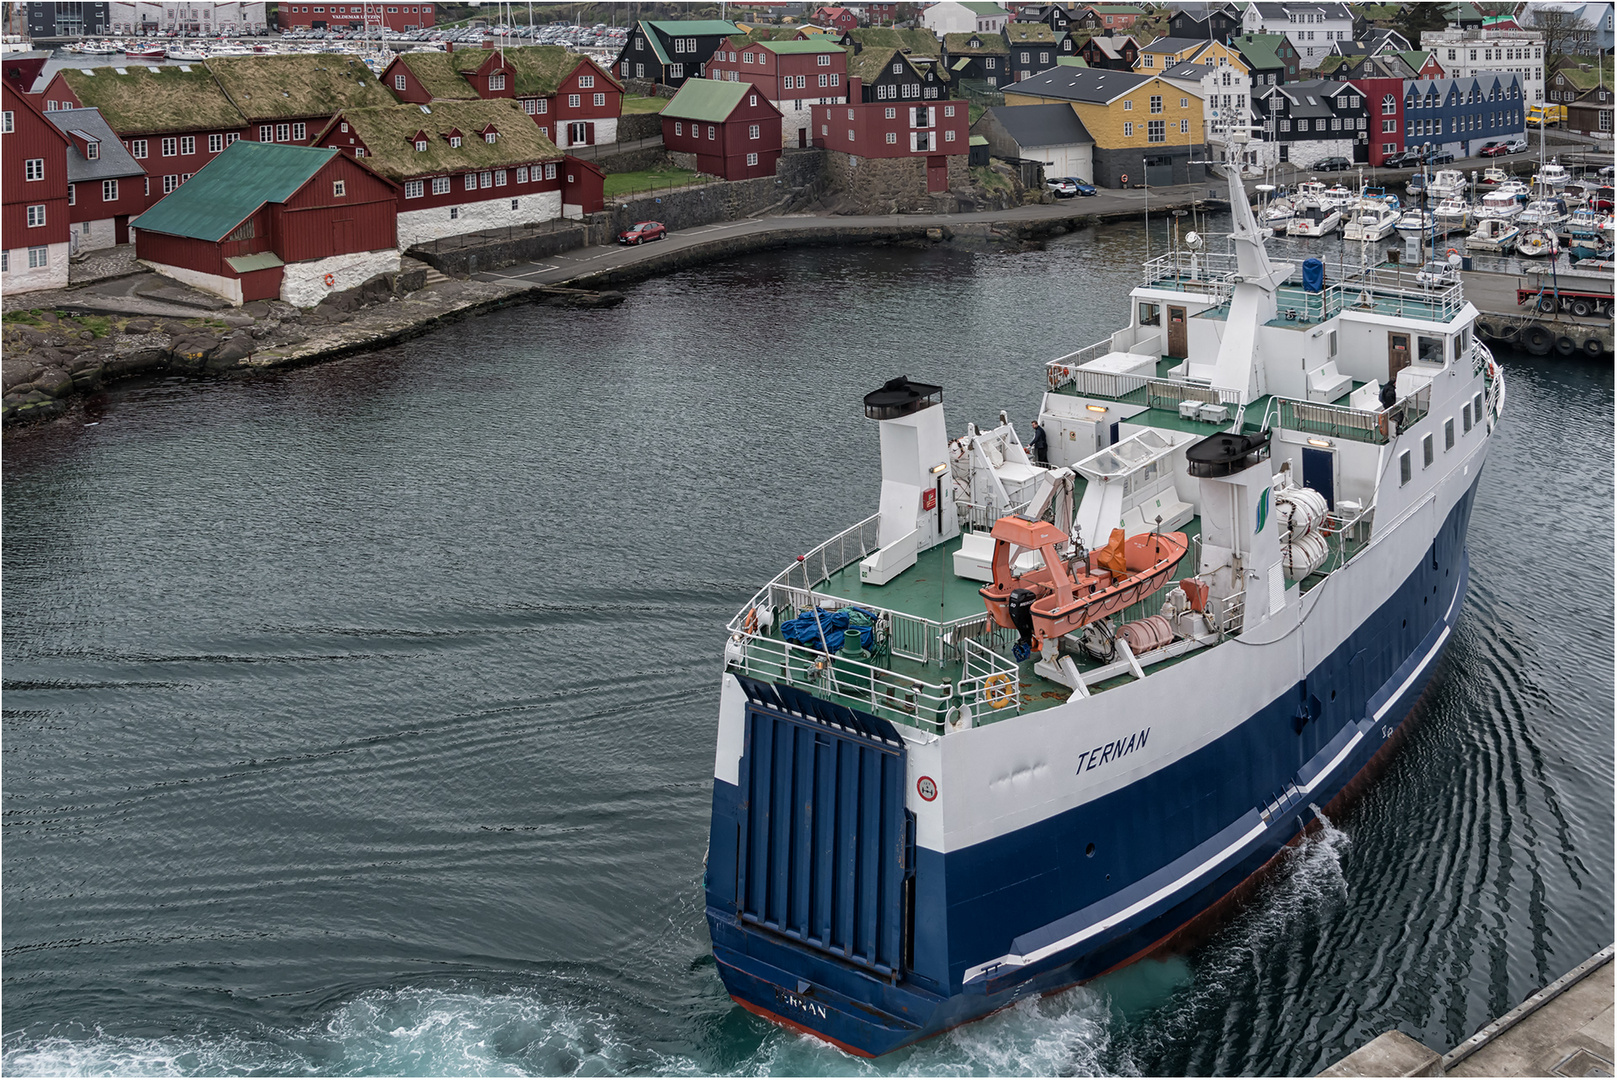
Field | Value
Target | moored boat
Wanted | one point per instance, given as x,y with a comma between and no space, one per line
1452,214
1372,220
914,826
1446,184
1535,243
1313,218
1544,213
1493,234
1499,204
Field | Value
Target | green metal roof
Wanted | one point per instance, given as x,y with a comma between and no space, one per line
984,9
1259,49
977,140
1071,61
227,190
708,100
263,260
827,45
694,27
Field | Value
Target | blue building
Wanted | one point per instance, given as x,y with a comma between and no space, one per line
1461,115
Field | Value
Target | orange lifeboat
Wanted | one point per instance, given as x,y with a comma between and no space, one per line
1069,595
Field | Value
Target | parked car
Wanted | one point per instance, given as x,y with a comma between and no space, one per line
1437,274
1439,157
1333,164
643,231
1061,187
1516,146
1083,187
1409,159
1493,149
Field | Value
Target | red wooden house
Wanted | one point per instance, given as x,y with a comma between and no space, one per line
34,219
574,100
106,187
794,76
173,119
839,17
264,221
459,166
355,16
731,127
933,135
1384,104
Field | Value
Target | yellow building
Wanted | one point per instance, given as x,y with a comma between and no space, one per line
1144,128
1164,53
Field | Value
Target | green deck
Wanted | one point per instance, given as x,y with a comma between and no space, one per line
927,590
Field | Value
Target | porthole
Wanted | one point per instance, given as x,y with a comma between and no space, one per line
1090,851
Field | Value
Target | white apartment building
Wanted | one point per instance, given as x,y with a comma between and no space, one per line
1464,53
192,18
970,17
1312,29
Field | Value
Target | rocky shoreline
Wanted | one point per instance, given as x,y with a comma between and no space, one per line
80,340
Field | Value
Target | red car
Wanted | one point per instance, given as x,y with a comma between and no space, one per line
643,231
1493,150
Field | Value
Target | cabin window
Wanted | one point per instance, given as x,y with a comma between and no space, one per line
1426,452
1430,350
1330,344
1476,407
1405,473
1150,315
1465,418
1448,434
1462,345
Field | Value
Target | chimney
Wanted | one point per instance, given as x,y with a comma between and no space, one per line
855,89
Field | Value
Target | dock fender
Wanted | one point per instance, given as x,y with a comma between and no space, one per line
1565,346
1485,328
1537,340
1593,347
1508,333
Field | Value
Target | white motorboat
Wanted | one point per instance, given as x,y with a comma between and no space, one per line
1453,214
1278,214
1372,219
1553,176
1504,205
1496,234
1544,213
1446,184
1314,218
1338,198
1416,220
1494,175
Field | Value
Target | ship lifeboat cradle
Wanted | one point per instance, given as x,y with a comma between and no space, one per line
1065,594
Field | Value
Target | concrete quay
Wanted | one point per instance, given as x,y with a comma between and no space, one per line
1564,1029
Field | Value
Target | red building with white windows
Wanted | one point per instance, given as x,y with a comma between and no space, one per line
1384,105
730,127
460,166
926,139
172,119
574,100
794,76
106,187
352,16
839,17
263,221
34,218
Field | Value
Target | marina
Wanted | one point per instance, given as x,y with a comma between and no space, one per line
602,959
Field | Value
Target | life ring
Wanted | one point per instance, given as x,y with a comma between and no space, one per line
1593,347
1537,340
330,280
1565,346
748,624
999,690
1450,251
1057,375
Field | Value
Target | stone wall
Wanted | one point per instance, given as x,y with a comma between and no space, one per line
420,226
647,157
646,88
463,256
891,185
799,178
634,126
1306,153
20,277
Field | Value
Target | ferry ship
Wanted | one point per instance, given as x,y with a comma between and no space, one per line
1032,718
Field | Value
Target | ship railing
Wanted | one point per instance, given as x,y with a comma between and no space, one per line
1170,394
1228,614
1481,356
1341,422
842,550
1060,373
1192,271
1399,286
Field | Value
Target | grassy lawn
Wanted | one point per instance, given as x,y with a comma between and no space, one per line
635,104
974,112
645,180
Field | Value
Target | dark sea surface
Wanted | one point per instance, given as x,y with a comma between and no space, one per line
359,719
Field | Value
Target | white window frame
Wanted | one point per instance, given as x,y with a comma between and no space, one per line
36,216
34,169
109,191
441,185
414,189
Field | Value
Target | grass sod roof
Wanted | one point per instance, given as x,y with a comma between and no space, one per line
225,192
437,75
771,33
869,65
151,99
707,100
291,85
386,133
1584,80
987,45
1021,33
914,42
537,69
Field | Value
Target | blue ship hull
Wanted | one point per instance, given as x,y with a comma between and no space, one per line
1179,841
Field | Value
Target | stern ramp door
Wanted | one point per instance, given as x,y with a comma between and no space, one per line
825,845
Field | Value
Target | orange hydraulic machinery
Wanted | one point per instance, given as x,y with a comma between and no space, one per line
1066,594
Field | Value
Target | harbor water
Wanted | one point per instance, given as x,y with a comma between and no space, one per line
359,719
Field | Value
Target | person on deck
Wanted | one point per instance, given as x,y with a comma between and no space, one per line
1041,445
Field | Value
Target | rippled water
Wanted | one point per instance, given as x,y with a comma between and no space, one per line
359,719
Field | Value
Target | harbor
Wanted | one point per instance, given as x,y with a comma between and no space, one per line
418,694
